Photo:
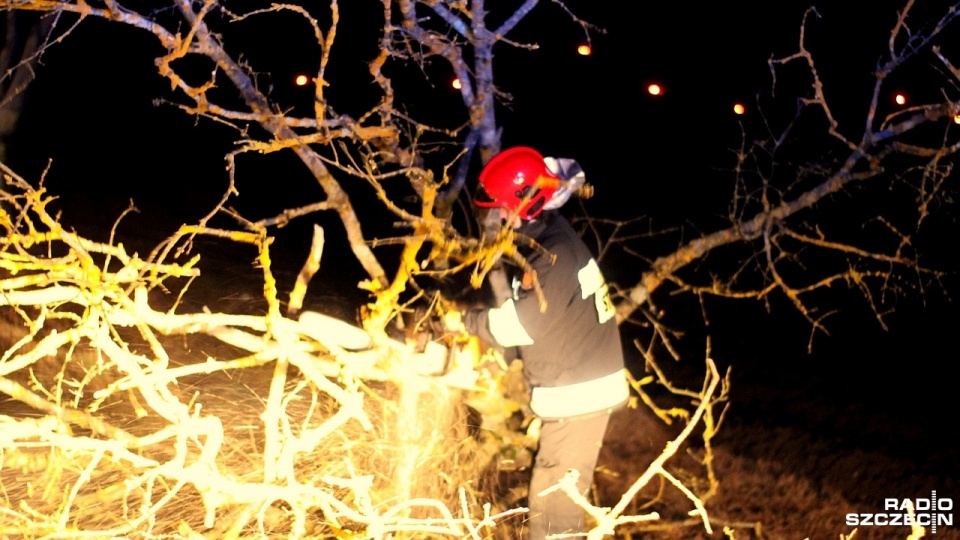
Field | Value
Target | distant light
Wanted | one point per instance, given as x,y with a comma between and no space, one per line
456,84
738,108
956,119
584,50
900,99
655,89
301,80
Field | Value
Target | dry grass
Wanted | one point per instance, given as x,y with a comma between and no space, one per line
776,483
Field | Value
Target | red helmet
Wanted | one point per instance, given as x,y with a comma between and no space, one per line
517,179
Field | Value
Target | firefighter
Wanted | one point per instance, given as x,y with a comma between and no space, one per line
571,350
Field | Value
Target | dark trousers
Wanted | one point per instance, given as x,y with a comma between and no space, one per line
564,444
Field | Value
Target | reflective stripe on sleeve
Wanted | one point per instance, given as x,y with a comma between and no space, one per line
590,279
505,326
580,398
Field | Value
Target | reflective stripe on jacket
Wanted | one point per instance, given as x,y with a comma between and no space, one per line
581,398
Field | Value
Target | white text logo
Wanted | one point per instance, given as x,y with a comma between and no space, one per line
929,512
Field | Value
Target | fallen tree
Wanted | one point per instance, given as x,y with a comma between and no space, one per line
135,420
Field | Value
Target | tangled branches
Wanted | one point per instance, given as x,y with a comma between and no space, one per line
117,428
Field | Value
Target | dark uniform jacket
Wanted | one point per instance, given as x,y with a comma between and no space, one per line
571,352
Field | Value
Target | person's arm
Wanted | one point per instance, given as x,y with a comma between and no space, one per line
519,321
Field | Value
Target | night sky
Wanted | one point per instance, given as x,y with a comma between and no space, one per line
666,157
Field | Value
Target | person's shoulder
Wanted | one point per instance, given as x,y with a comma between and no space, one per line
560,239
559,229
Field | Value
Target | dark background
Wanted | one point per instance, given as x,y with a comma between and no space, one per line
91,118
